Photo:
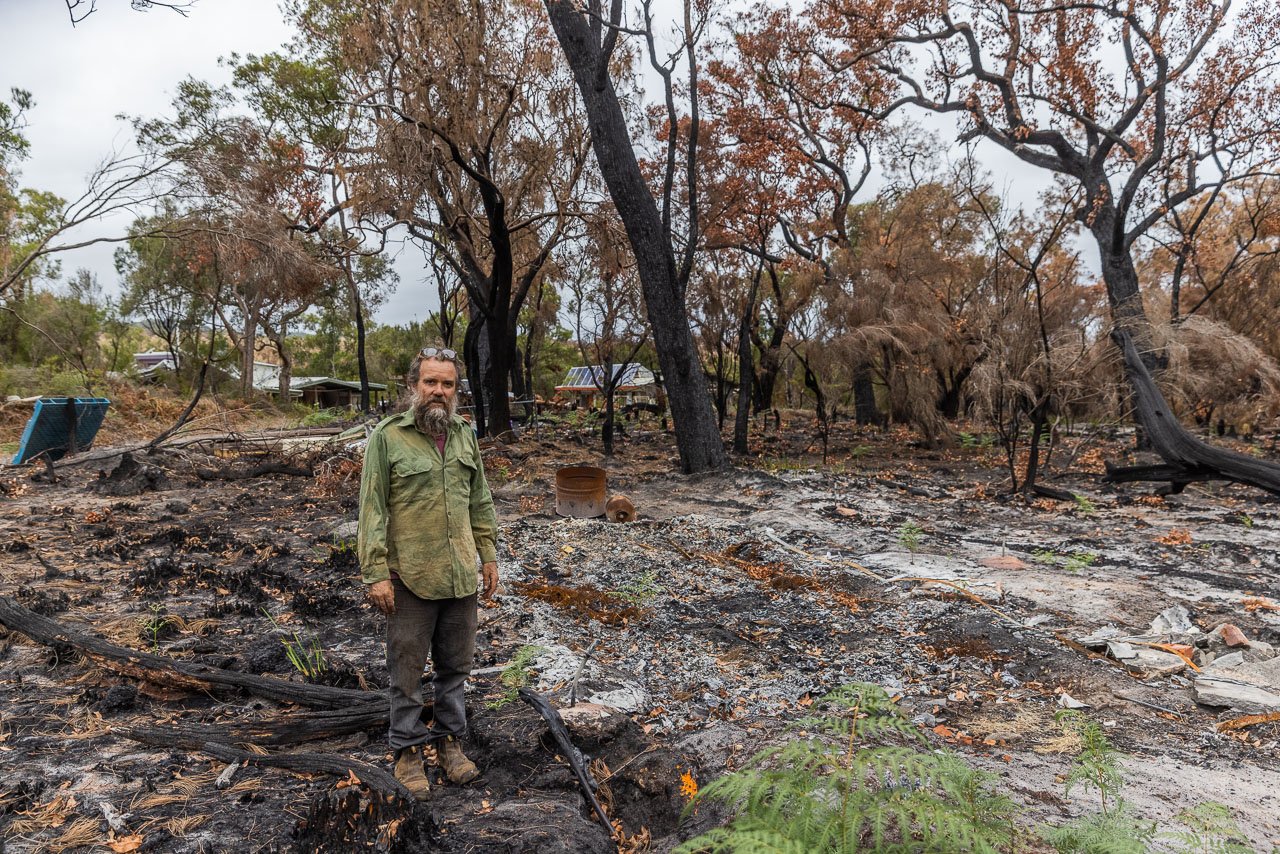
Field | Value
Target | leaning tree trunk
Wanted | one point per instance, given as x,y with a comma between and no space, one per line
697,437
1186,458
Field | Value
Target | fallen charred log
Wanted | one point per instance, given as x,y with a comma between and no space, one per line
160,670
294,728
302,763
255,471
1187,459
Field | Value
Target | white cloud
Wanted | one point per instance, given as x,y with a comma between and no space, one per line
124,62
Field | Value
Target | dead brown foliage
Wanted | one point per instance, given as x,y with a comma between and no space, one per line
586,600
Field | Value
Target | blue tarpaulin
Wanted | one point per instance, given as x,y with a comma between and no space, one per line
61,425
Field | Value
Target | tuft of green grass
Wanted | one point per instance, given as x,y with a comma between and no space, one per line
516,675
306,656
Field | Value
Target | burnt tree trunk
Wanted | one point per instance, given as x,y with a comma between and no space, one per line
746,373
697,437
1186,458
475,354
865,410
161,670
361,361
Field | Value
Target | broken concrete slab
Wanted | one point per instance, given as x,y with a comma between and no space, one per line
1174,620
1215,690
1251,687
1153,662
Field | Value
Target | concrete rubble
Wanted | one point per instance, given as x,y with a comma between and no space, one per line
1231,670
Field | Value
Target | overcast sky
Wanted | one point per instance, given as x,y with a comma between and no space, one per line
121,61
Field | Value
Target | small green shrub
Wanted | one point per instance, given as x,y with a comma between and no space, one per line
1046,556
321,418
839,787
516,675
1078,561
153,626
1115,828
639,590
909,536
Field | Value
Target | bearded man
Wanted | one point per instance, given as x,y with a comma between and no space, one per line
425,517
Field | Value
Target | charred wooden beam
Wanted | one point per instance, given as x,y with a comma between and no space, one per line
303,763
294,728
1052,492
1186,458
160,670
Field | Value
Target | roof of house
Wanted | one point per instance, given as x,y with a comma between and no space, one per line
591,377
299,383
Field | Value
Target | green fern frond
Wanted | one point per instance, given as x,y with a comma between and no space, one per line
833,790
1211,829
1116,832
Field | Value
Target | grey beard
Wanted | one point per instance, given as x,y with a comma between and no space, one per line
433,419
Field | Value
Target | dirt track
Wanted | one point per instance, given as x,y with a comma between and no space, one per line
719,615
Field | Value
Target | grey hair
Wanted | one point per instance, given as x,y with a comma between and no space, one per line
415,367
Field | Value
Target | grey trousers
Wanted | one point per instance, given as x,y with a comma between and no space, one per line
445,630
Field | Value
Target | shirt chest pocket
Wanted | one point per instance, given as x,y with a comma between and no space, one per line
414,480
461,472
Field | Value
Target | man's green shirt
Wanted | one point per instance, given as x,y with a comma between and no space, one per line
422,516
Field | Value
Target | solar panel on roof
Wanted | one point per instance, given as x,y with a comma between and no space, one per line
61,425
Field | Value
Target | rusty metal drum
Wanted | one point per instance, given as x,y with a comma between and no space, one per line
580,492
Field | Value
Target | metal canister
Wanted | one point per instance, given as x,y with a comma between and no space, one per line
580,492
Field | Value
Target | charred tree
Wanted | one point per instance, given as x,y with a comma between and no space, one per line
588,42
1186,458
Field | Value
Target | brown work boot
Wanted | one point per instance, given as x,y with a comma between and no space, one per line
410,774
457,767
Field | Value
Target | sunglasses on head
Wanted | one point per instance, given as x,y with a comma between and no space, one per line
438,352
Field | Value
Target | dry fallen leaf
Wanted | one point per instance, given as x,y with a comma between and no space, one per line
124,844
1248,721
1175,537
1003,562
846,511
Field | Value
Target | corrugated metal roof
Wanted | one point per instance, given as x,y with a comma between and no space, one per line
591,377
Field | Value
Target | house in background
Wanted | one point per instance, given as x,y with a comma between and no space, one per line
318,392
154,363
582,385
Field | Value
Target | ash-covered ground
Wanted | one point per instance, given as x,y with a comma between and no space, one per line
704,628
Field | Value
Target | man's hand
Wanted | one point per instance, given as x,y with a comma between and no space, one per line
490,571
383,596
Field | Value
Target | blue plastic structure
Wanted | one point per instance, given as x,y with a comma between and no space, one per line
61,426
